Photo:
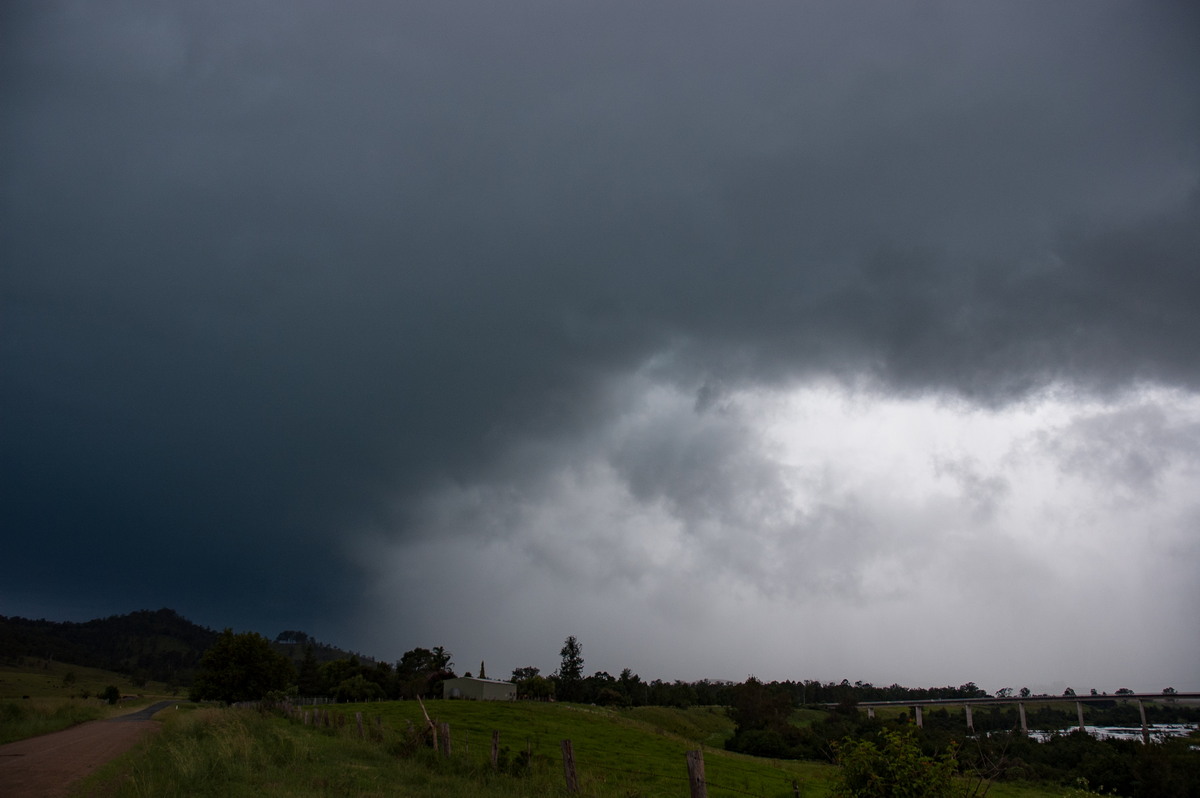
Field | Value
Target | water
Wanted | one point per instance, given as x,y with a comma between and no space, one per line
1159,731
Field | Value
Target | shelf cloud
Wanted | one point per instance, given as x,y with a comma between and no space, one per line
805,340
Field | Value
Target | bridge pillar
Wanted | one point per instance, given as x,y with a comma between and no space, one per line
1024,725
1145,727
970,718
1079,711
919,717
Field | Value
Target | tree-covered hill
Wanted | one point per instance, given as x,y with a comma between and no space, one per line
160,645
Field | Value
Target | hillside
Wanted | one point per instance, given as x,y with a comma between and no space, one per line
160,645
157,645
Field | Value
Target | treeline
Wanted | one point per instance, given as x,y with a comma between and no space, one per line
419,672
628,689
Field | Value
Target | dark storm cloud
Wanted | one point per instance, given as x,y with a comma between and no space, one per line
272,271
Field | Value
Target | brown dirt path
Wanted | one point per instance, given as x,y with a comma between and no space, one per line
47,766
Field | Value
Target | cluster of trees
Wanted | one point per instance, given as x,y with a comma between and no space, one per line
568,683
246,667
419,672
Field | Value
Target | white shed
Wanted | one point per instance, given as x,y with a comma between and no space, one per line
479,689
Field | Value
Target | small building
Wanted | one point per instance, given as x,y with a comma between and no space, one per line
479,689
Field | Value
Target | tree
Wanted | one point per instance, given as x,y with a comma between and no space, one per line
570,671
895,768
538,688
759,706
308,678
420,670
424,660
521,674
111,694
241,667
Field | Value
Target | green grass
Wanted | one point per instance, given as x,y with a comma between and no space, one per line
43,679
48,697
23,719
637,753
709,726
617,752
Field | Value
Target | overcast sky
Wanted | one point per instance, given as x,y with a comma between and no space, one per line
809,340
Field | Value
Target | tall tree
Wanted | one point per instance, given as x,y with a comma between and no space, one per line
570,671
309,676
241,667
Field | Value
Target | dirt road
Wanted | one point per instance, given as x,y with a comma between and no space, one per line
46,766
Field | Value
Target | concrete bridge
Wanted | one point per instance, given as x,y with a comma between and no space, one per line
968,703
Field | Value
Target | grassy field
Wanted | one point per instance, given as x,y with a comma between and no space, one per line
617,752
48,696
637,753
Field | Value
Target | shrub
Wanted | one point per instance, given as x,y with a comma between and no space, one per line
894,769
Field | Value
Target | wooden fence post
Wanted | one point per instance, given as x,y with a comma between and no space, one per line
495,747
445,730
358,720
569,766
695,765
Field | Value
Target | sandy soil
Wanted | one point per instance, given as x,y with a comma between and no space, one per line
46,766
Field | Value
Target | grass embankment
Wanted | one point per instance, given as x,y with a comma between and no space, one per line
49,696
636,753
617,752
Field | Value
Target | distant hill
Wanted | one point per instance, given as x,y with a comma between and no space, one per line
160,645
293,644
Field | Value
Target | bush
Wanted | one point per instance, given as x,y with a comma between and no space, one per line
894,769
357,689
111,694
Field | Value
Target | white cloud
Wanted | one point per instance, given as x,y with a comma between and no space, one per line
819,533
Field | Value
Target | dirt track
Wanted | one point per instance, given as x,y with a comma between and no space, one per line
46,766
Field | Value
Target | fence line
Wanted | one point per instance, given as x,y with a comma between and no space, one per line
440,739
